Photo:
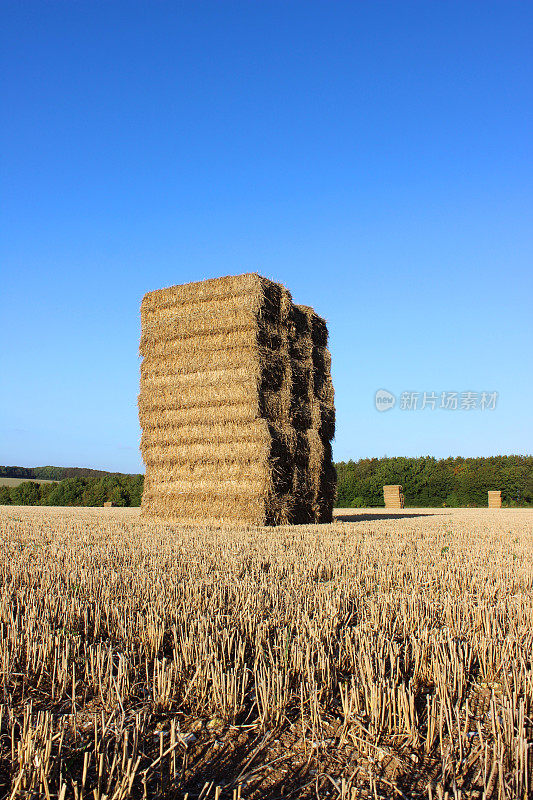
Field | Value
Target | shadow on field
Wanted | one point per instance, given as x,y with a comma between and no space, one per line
370,517
280,765
267,768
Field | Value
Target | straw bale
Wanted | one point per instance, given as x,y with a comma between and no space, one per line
221,289
271,372
240,508
323,419
302,505
168,447
495,499
242,469
215,486
328,490
317,326
198,292
207,351
240,306
236,404
393,496
315,466
207,394
299,334
214,433
230,414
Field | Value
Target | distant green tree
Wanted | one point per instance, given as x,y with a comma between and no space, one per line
95,493
5,496
67,493
45,490
358,502
136,489
26,494
118,496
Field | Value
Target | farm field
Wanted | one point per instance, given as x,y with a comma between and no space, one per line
17,481
387,655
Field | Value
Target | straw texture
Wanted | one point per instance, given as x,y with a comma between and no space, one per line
236,405
393,496
495,499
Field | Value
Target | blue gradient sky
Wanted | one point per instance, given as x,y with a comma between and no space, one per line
373,156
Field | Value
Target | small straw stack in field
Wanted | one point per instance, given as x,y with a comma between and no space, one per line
236,404
495,499
393,496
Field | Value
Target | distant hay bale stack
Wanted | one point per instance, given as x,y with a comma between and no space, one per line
108,504
495,499
393,496
236,405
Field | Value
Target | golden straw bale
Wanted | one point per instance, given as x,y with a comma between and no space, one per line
495,499
393,496
236,404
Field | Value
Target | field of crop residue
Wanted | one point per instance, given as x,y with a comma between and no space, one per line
388,655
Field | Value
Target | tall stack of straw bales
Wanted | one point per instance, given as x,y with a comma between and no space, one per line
495,499
393,496
236,404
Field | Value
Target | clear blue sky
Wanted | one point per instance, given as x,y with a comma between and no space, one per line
375,157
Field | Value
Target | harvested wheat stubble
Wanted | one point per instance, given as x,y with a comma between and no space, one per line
236,405
145,659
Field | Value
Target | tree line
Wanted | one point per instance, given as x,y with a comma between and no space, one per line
426,481
120,489
55,473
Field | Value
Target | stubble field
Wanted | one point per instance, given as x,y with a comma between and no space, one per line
388,655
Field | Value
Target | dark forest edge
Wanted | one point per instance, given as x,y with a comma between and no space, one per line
431,482
427,482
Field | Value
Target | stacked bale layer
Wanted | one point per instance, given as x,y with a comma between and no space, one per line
312,413
495,499
236,404
393,496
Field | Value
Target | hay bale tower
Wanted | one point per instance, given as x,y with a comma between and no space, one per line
495,499
393,496
236,405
